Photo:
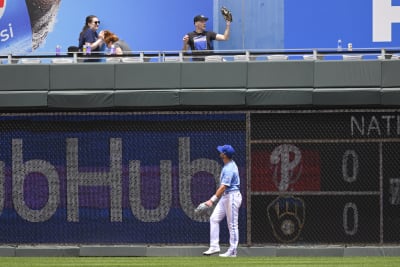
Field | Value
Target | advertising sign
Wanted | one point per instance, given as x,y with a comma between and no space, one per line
113,178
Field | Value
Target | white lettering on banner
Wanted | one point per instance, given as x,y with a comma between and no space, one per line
153,215
20,170
384,14
186,171
112,179
6,34
281,155
385,125
394,191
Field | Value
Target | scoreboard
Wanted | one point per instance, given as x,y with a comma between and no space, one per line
325,177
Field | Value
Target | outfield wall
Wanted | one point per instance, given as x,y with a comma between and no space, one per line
316,145
188,85
308,176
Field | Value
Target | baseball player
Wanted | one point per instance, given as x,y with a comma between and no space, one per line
228,205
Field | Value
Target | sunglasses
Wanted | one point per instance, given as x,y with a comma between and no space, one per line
96,22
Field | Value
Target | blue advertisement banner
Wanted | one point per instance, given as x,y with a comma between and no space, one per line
114,178
365,24
158,25
15,27
146,25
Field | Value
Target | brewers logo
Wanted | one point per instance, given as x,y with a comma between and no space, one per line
286,216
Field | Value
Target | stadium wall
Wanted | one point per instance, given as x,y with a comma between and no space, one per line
316,146
254,84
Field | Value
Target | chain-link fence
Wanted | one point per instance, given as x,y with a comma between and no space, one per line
323,177
307,177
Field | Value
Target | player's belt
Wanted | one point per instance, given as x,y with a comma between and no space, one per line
230,192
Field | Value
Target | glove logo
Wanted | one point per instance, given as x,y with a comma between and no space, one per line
286,216
2,7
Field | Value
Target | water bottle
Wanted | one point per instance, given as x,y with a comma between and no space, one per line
58,50
339,44
112,50
84,49
88,49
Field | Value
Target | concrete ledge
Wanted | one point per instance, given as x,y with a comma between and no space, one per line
310,251
46,251
24,77
112,251
280,74
276,97
363,251
147,76
228,84
390,96
23,99
194,251
214,75
347,74
391,251
82,76
7,251
146,98
175,251
80,99
347,96
209,97
257,251
390,73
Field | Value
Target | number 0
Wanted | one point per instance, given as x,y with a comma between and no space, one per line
350,154
347,208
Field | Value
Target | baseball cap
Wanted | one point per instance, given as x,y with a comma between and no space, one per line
199,18
227,150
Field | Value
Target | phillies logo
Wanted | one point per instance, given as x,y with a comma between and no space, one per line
2,7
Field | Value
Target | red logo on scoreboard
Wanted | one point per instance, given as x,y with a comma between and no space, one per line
286,169
2,7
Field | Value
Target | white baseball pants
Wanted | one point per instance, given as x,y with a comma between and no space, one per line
228,206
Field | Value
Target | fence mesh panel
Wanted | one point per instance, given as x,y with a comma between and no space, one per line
307,176
325,177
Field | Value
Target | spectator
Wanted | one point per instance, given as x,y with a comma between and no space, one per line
200,41
120,46
89,35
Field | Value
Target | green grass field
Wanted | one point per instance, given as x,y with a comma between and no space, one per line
198,261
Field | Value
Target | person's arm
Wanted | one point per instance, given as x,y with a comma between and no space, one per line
89,38
216,196
185,43
96,44
118,51
225,36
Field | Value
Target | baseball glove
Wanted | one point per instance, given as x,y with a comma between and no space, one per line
226,13
202,208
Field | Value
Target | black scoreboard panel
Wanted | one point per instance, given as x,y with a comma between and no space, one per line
391,192
325,177
325,125
315,219
341,166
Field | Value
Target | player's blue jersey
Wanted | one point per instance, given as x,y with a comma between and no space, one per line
230,176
